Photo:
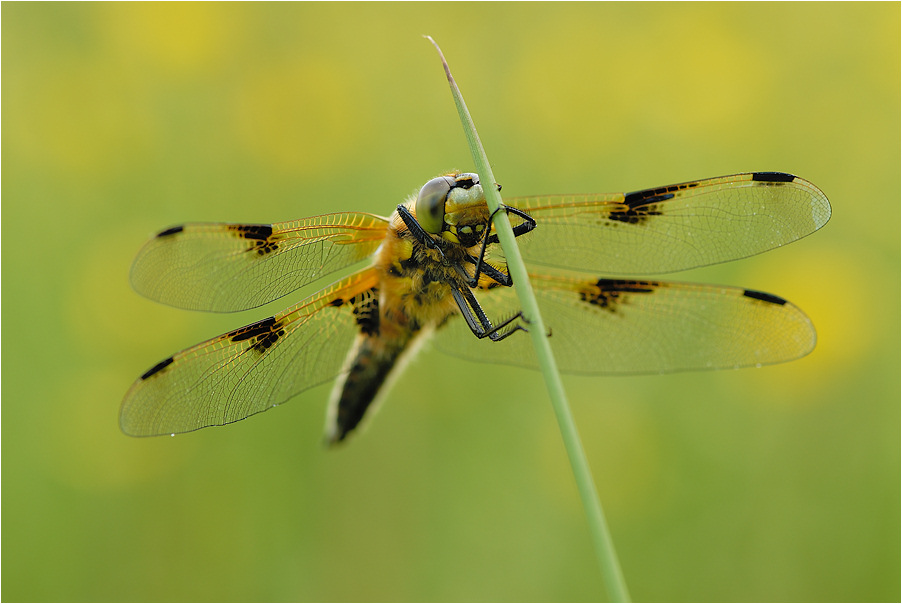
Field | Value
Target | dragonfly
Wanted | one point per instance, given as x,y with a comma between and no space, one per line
437,272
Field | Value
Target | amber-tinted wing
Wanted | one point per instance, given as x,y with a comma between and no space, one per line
609,326
250,369
672,228
230,267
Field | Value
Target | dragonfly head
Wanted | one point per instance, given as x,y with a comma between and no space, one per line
453,207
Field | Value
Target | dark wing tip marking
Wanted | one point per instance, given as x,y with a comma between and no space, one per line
157,368
171,231
764,297
773,177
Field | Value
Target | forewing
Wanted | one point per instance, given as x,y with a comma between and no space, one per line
672,228
609,326
230,267
250,369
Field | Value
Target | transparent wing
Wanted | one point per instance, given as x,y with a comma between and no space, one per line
230,267
611,326
672,228
250,369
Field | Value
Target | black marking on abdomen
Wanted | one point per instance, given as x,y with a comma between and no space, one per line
609,294
366,377
157,368
773,177
764,297
366,311
265,333
171,231
258,234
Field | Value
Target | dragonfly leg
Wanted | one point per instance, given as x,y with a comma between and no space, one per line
528,224
418,232
489,271
477,320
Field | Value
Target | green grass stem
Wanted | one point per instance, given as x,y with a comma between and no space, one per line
604,546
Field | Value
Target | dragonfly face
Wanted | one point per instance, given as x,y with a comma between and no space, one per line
453,208
436,268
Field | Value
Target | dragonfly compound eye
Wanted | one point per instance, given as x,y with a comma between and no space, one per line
430,206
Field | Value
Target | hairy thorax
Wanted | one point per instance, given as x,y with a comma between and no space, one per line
415,289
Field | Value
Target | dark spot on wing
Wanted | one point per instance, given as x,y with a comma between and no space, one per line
610,294
640,205
264,334
634,215
624,285
252,231
638,199
260,236
171,231
264,342
764,297
251,331
773,177
157,368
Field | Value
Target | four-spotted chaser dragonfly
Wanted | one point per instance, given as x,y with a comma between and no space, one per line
437,267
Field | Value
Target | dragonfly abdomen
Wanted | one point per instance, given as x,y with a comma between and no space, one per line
372,363
392,327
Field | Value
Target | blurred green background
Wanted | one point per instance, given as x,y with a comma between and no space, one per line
121,119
